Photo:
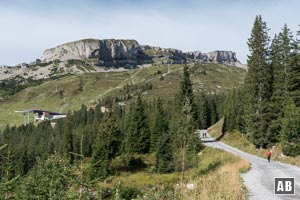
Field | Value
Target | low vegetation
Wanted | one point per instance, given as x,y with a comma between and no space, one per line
241,141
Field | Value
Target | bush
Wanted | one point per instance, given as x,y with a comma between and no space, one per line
291,149
122,192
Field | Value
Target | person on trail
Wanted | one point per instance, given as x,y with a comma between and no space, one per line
268,154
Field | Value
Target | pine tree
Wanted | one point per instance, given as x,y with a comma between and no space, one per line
294,73
158,125
290,139
234,110
258,84
106,147
8,181
68,140
186,142
203,112
137,139
186,92
164,153
280,61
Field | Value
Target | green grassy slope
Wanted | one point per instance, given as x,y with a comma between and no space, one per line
64,94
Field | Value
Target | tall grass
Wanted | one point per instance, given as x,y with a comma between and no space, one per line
221,179
216,177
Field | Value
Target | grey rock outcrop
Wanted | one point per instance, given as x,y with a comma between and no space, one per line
227,57
129,54
108,52
92,55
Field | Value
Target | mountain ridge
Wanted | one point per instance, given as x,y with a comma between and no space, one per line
95,55
117,49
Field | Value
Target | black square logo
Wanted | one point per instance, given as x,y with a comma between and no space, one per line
284,186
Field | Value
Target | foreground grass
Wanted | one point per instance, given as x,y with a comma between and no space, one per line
217,176
240,141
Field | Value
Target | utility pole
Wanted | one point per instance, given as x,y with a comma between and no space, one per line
24,118
106,72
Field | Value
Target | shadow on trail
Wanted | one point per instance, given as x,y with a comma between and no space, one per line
220,137
209,141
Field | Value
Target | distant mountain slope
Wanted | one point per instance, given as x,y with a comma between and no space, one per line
92,55
69,92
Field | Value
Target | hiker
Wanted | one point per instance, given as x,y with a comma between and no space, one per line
268,154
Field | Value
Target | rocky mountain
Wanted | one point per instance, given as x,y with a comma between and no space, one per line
93,55
129,53
109,52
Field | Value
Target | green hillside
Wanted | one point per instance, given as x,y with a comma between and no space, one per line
69,92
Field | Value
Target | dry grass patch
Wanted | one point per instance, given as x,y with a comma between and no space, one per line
221,182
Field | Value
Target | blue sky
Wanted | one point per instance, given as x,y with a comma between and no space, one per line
28,27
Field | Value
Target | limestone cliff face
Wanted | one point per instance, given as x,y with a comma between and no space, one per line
227,57
92,55
109,52
129,54
74,50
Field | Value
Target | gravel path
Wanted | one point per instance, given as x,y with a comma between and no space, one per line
259,180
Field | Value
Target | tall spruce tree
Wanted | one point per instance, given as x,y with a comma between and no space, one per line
158,124
164,153
137,138
203,118
258,84
280,55
106,147
68,139
294,73
186,141
290,139
186,92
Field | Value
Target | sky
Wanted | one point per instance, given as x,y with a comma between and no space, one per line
28,27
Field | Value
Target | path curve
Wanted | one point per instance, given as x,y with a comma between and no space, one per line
259,180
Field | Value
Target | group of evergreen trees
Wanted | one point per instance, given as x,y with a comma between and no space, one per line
165,128
267,106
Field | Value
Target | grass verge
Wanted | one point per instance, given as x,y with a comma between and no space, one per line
216,177
240,141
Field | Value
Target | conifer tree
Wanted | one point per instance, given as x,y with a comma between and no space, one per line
106,147
290,139
68,140
258,83
137,139
280,56
8,181
203,112
186,92
294,73
186,142
158,125
164,153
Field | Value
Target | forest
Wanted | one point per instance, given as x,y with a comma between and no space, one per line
267,106
38,161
